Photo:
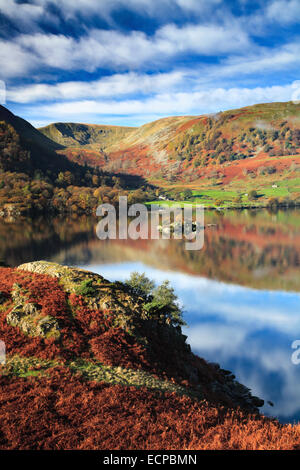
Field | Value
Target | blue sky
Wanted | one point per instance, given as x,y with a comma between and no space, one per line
128,62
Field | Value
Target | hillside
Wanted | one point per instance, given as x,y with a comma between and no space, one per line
27,131
90,136
76,341
239,158
192,148
24,148
36,178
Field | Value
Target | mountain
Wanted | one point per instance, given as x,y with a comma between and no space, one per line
24,148
90,136
37,177
251,154
29,133
188,148
90,366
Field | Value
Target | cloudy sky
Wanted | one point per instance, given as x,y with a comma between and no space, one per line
132,61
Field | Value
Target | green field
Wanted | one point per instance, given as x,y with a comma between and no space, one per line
286,189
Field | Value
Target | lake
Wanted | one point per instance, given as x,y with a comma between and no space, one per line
240,293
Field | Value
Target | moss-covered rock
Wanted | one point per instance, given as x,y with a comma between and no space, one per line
29,317
32,322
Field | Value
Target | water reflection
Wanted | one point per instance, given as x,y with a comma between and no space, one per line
240,292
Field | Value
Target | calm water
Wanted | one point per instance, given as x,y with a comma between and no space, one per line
240,292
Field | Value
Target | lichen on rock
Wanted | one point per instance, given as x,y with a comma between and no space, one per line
29,317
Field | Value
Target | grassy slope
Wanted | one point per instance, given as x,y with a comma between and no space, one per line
89,136
225,196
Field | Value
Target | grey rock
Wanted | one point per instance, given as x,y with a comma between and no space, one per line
49,327
32,309
15,315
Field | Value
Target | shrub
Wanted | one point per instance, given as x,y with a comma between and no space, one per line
86,288
218,202
286,201
238,199
140,284
161,302
187,194
164,305
252,195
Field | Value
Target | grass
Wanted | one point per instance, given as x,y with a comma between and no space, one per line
18,366
26,366
95,370
286,187
86,288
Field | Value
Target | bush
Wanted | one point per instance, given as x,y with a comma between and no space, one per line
252,195
85,288
237,199
187,194
161,302
140,284
286,201
218,202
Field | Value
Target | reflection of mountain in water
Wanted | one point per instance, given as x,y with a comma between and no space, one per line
257,249
42,238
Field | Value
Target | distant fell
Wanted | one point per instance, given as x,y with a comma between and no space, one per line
91,136
187,148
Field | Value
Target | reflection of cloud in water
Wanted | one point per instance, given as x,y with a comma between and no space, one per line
206,336
246,330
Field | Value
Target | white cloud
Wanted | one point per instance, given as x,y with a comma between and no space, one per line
119,51
202,39
284,11
110,86
14,60
114,49
262,60
16,11
163,104
29,16
26,16
152,8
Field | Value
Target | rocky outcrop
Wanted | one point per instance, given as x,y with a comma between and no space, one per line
239,393
29,318
201,378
